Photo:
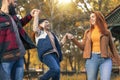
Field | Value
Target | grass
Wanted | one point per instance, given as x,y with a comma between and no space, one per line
79,77
83,77
73,77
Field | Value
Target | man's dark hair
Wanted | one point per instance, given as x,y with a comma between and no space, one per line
0,3
39,22
12,9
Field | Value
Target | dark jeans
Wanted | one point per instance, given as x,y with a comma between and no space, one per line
52,61
12,70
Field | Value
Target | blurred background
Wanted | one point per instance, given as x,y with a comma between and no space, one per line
67,16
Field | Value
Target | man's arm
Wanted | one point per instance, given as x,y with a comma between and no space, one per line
27,18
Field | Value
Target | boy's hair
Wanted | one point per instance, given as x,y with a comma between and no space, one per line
39,22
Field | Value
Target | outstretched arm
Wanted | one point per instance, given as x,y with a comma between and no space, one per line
75,41
27,18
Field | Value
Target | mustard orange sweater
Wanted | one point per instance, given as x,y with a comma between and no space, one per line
95,37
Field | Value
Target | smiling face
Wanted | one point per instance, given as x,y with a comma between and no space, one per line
92,19
45,25
97,20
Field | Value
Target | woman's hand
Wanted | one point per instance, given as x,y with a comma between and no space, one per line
69,36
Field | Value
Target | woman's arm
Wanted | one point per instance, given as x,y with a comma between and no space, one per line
111,44
115,54
76,42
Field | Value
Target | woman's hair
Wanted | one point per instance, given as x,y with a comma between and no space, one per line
39,22
100,21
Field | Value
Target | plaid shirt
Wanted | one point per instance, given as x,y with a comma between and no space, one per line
8,43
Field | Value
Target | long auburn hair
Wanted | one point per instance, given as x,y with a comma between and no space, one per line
101,23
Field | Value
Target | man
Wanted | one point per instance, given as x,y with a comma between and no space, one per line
13,41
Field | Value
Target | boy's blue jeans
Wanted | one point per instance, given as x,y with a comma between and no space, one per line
95,64
52,61
12,70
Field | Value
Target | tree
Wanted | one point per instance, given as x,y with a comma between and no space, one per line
63,18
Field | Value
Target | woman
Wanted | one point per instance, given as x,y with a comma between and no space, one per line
98,47
48,46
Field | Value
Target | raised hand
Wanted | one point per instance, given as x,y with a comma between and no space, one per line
35,14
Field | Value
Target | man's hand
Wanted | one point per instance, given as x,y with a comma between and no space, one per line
35,12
